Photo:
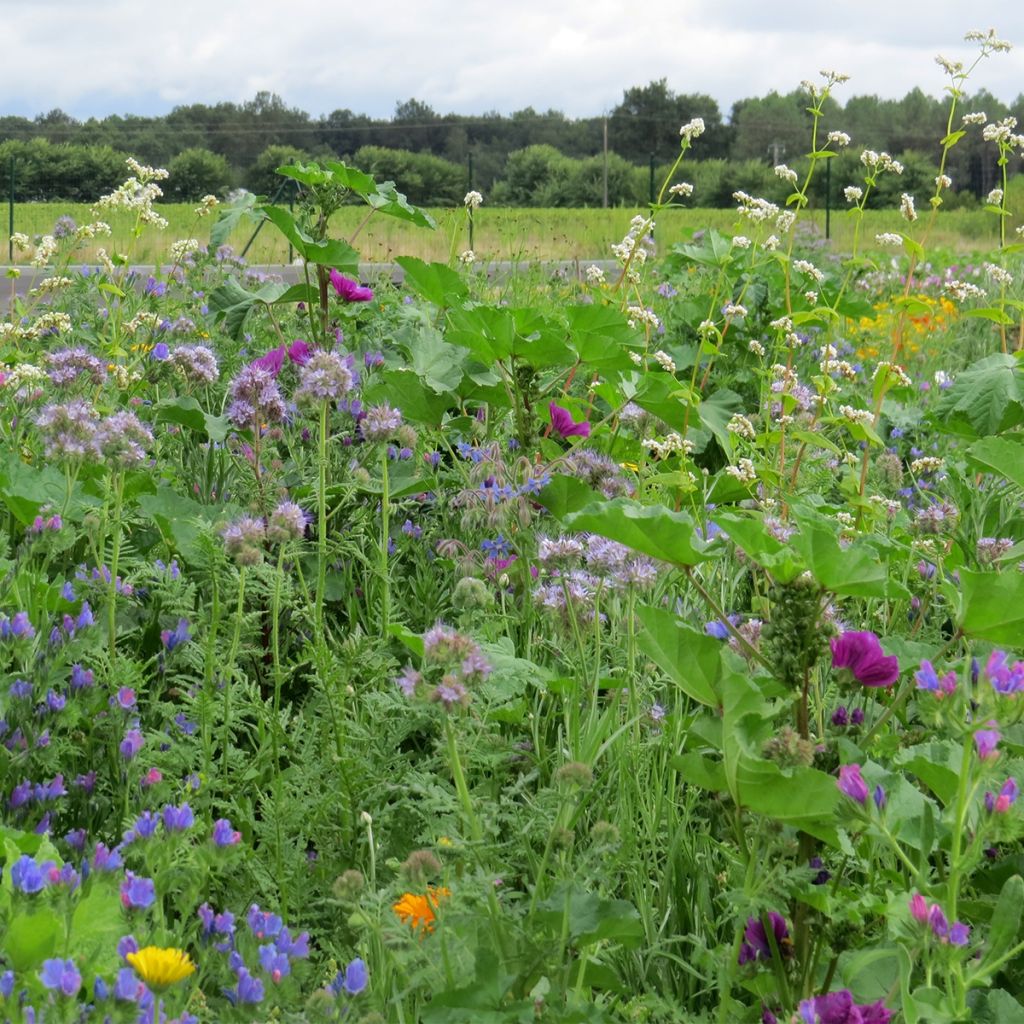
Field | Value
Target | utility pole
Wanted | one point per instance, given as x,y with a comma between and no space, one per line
605,201
778,151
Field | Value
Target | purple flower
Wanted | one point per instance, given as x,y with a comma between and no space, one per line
178,819
124,698
275,963
224,834
861,653
61,976
852,784
29,877
839,1008
128,988
349,290
987,742
179,635
928,679
272,361
6,984
352,980
248,990
131,744
137,893
263,924
81,678
756,944
564,425
104,859
1007,795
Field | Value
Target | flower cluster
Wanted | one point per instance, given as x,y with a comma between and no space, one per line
452,662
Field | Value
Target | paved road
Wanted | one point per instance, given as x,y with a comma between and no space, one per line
368,272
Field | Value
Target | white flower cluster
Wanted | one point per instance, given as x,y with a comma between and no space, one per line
639,315
24,373
467,258
1002,132
734,311
741,242
206,206
672,444
998,274
51,284
962,291
876,162
20,241
755,209
692,129
756,347
839,139
978,118
785,173
943,181
143,318
853,194
889,238
181,248
953,68
808,268
927,464
741,426
91,230
45,251
907,210
595,275
137,194
743,471
863,417
990,42
665,361
995,197
682,188
48,323
896,374
628,250
472,200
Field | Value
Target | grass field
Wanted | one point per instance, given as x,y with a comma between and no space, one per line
506,233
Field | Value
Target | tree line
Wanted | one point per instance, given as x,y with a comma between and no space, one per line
527,158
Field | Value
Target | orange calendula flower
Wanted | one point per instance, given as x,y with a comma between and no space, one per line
419,911
159,967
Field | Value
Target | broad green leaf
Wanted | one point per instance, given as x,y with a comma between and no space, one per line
992,606
96,925
436,362
1005,924
565,494
699,770
803,797
985,399
184,411
749,533
601,336
31,938
231,217
435,282
855,570
651,529
591,918
993,313
692,660
404,389
715,412
1003,456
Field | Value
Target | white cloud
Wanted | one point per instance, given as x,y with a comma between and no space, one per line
577,56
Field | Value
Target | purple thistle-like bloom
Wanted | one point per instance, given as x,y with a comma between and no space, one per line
179,635
244,538
67,365
61,976
137,893
408,680
564,425
839,1008
324,378
852,784
224,834
254,399
349,290
67,430
987,742
380,422
287,522
861,653
756,944
352,980
122,439
196,363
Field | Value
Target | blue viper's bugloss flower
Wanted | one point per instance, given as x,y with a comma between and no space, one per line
352,980
137,893
61,976
29,877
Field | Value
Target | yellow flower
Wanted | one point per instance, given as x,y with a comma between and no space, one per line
159,968
418,911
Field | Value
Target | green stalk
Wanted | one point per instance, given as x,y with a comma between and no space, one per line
385,536
235,640
275,734
115,558
321,532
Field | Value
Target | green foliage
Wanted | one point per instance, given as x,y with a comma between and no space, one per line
195,173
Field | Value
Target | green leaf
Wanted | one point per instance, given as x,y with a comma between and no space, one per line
749,533
855,570
435,282
715,412
700,770
31,938
993,313
1003,456
803,797
651,529
97,924
231,217
601,336
992,606
985,399
436,362
565,494
591,918
404,389
1005,925
185,411
692,660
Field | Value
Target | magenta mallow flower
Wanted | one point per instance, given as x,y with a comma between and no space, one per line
349,290
756,944
851,783
564,425
297,352
862,655
839,1008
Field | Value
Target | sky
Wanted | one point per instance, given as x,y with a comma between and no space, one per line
578,56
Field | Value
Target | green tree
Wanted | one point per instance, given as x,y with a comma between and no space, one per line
195,173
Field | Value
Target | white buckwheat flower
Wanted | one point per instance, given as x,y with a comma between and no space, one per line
998,274
665,361
962,291
853,194
682,188
889,238
692,129
472,200
741,242
785,173
907,210
806,267
743,471
995,197
979,118
741,426
943,181
756,347
595,275
839,139
864,417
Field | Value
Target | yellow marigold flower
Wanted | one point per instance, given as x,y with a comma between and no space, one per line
159,968
419,911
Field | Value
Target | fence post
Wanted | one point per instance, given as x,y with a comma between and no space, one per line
650,184
828,199
10,215
469,180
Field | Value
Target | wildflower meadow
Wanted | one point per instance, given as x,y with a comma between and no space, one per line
635,646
